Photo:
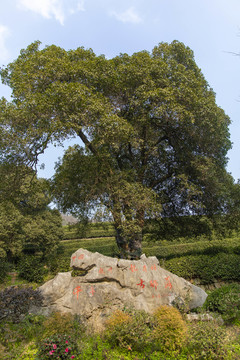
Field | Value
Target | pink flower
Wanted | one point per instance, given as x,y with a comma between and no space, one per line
54,346
67,350
66,342
50,352
72,357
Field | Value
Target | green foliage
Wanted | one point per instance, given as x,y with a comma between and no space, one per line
198,247
58,347
60,324
4,267
130,330
226,301
26,339
207,268
31,268
16,301
17,338
98,348
58,263
42,232
207,341
90,230
26,223
155,141
11,232
170,330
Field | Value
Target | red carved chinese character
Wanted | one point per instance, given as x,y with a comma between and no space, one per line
141,283
153,284
168,282
133,268
92,291
77,290
101,271
144,268
81,257
110,269
154,267
153,296
74,257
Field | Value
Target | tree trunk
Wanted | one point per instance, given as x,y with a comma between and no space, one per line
130,247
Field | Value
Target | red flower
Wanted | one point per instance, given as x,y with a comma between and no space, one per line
67,350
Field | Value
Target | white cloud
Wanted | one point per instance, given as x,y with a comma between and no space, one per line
130,15
49,9
4,33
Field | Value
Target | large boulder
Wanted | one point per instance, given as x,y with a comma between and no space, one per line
105,283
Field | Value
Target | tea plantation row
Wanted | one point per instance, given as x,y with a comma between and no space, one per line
205,260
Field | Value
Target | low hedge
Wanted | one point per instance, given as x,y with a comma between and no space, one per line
88,231
195,248
207,268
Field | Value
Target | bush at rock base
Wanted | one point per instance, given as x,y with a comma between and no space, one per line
226,301
170,330
60,324
129,329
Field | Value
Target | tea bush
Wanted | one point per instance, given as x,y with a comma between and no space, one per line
208,268
170,330
226,301
16,301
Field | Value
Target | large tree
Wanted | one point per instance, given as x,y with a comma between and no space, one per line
154,139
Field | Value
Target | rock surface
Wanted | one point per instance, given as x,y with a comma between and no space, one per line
109,283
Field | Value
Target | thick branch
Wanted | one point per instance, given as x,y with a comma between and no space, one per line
88,144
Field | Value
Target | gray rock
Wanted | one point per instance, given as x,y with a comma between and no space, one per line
110,283
192,317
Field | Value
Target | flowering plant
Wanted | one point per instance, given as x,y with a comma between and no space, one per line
57,347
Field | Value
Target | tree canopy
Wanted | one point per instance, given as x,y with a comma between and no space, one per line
27,224
154,140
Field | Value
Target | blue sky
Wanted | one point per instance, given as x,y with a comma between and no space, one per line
211,28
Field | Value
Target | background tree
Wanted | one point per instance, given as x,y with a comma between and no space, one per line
154,138
27,224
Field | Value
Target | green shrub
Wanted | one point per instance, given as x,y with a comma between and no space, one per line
206,341
200,247
16,301
206,267
31,269
3,269
170,330
57,347
130,330
58,264
60,324
226,301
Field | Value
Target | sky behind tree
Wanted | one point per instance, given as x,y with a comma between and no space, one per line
211,28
